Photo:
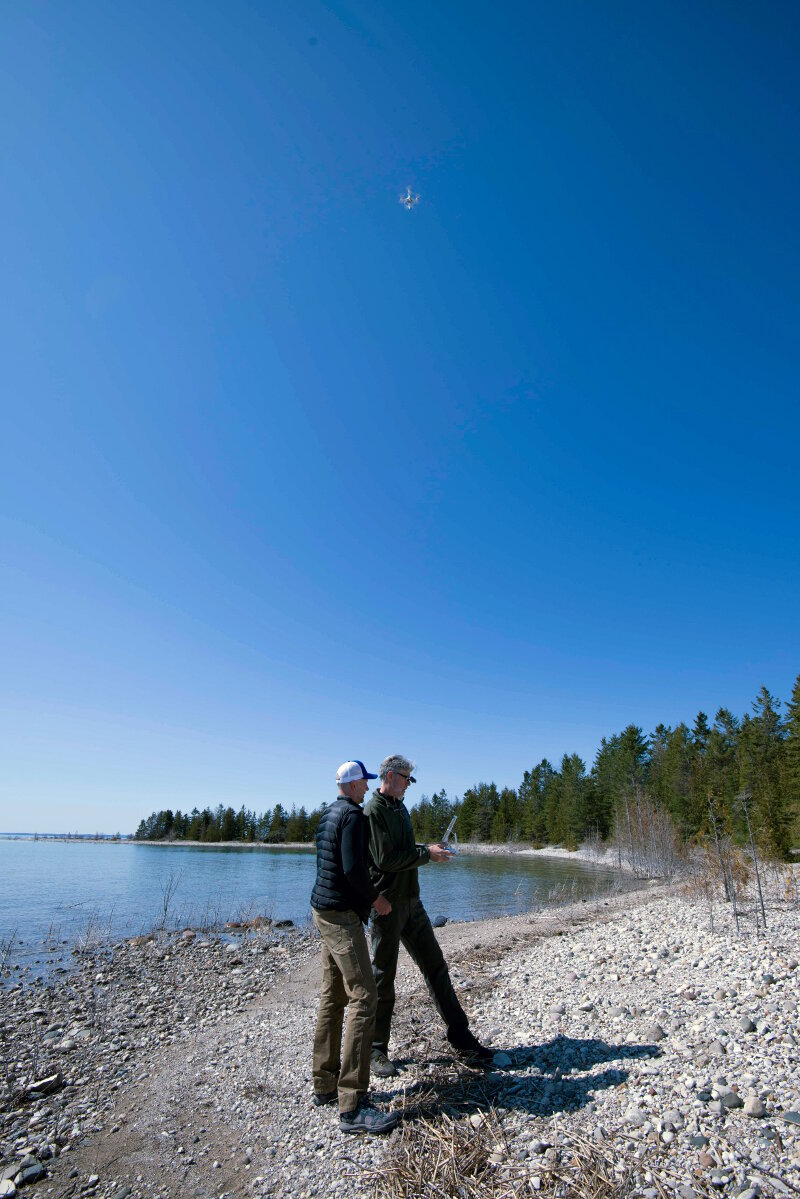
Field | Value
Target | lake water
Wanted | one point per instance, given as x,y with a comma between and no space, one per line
55,892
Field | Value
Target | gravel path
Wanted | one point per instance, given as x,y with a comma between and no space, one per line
180,1066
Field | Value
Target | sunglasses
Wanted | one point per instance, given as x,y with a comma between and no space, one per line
408,777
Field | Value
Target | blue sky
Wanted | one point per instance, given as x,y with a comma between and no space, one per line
289,474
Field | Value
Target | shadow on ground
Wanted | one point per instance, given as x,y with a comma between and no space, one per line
557,1078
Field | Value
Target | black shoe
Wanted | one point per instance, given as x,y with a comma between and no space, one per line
469,1047
380,1065
368,1119
320,1100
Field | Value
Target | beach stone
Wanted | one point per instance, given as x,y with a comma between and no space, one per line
686,1192
698,1142
753,1106
10,1172
33,1173
439,921
746,1025
728,1097
7,1188
501,1059
654,1032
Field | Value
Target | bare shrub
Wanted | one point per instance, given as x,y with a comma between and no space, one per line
593,844
646,837
169,886
6,949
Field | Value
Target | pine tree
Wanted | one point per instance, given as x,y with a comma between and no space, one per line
791,768
761,762
532,796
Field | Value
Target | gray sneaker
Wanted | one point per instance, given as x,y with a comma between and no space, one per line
368,1119
380,1065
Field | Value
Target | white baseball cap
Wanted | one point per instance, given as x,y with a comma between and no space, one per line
351,772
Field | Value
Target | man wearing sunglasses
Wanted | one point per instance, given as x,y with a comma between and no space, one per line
396,858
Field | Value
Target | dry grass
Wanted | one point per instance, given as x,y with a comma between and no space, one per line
445,1158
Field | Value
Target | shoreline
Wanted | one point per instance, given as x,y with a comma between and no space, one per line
606,858
622,1019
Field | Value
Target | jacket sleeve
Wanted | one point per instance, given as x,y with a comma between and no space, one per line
354,859
390,858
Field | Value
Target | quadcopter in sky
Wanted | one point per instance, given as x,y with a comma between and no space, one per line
409,200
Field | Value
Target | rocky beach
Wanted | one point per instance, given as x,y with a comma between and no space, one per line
631,1032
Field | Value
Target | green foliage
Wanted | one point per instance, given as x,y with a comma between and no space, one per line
685,771
223,824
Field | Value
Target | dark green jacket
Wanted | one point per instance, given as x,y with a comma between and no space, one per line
395,854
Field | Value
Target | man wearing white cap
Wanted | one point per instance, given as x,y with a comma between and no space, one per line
341,900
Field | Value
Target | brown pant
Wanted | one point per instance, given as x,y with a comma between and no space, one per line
347,982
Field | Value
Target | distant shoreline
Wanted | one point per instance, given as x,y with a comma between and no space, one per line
606,858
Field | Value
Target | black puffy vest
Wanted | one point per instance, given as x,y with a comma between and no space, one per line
332,892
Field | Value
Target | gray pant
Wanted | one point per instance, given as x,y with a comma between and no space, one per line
408,923
347,982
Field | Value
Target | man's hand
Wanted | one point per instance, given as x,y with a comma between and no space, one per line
382,906
438,853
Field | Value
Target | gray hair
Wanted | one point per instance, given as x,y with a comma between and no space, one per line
397,764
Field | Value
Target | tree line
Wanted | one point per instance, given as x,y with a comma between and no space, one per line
272,827
695,773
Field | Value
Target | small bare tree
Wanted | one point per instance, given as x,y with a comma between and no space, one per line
743,800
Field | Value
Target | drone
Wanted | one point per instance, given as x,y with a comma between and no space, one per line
409,200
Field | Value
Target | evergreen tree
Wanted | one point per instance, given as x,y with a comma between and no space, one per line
476,812
721,771
532,796
791,770
227,825
297,826
421,820
505,824
441,815
277,825
761,770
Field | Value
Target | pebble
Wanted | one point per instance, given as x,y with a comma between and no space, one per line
244,1071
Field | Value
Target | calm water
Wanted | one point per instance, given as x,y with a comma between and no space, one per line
54,891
